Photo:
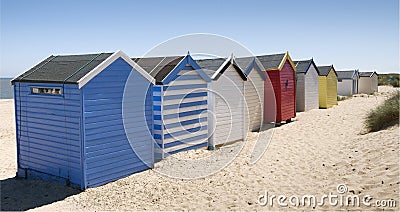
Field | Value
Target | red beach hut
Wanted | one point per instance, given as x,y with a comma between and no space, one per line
282,74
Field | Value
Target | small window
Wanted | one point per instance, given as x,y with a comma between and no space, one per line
51,91
339,80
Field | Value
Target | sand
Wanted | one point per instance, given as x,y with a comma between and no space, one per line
312,155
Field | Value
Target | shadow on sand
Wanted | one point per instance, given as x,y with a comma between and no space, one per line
22,194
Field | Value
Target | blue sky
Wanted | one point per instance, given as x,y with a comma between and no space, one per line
360,34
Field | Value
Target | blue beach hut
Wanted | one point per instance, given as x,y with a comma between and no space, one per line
70,122
180,103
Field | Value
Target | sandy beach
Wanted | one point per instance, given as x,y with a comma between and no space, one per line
312,155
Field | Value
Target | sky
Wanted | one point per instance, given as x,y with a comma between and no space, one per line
350,34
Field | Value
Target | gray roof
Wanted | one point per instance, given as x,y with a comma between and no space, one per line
158,67
67,69
366,74
324,70
211,66
302,66
272,61
345,74
244,62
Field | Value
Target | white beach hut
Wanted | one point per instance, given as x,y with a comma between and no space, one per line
225,101
368,82
347,82
306,85
254,92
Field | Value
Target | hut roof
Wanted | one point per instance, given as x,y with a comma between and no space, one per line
216,67
158,67
346,74
244,62
324,70
366,74
272,61
302,66
210,66
62,68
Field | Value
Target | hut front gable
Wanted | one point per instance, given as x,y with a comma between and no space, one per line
255,68
119,55
331,88
180,111
287,60
311,88
110,149
368,82
300,91
288,91
228,105
365,85
187,64
332,74
347,82
254,94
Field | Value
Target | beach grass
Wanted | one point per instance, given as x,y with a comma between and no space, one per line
389,79
385,115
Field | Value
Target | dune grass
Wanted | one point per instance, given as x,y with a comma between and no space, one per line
385,115
389,79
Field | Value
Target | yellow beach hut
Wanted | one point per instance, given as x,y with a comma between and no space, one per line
327,86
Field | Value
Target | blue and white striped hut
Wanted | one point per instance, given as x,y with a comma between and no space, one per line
180,103
70,122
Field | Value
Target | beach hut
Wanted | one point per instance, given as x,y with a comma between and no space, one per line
254,92
368,82
70,122
307,96
226,101
347,82
180,103
282,73
327,82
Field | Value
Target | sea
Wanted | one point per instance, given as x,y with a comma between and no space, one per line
6,89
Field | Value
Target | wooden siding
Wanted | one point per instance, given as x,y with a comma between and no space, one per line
374,83
322,84
285,94
228,108
365,85
158,125
272,97
109,154
368,85
181,113
331,89
300,92
254,94
311,89
328,90
345,87
355,84
48,133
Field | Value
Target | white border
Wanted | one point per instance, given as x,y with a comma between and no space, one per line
118,54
